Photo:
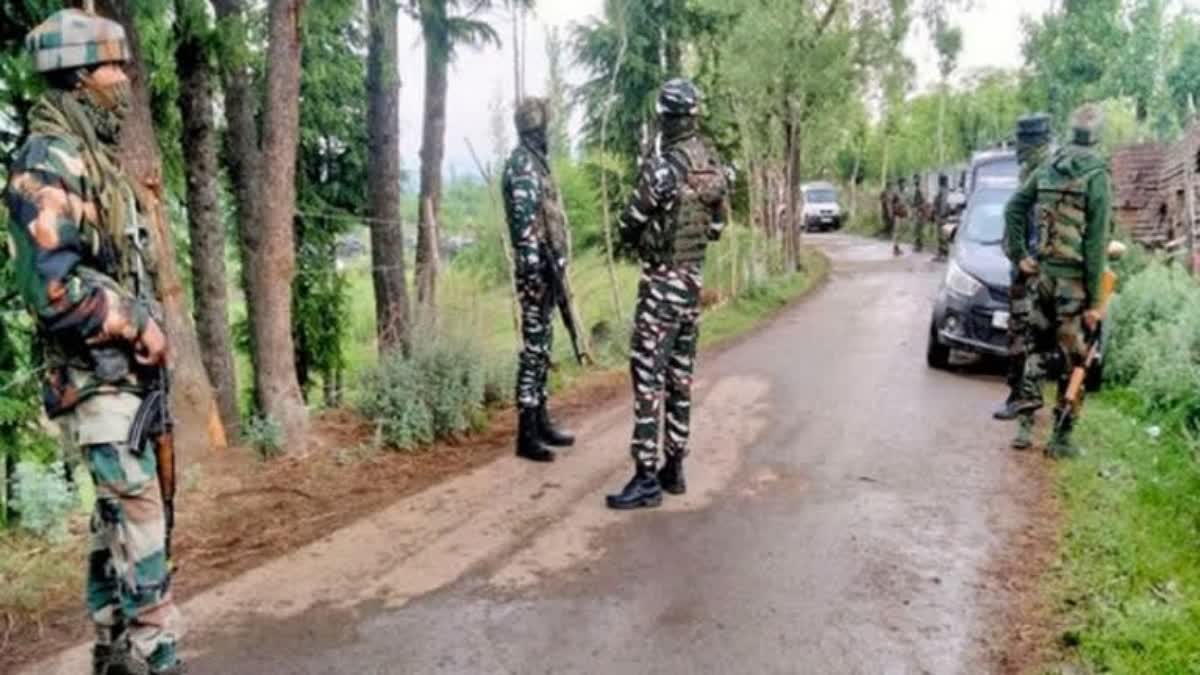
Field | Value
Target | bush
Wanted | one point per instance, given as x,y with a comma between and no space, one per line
43,499
438,390
1155,342
265,435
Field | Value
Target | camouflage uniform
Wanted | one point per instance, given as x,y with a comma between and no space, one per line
899,215
886,215
537,226
76,226
941,212
1070,196
676,209
920,215
1033,147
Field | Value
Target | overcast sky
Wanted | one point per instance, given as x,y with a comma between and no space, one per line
991,37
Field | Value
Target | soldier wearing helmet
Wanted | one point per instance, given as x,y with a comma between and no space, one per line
1070,196
537,225
76,223
676,210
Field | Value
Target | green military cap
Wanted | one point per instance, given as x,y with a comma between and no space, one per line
532,113
72,38
1033,129
1087,123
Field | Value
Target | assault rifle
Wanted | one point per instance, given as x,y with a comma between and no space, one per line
153,423
1075,385
563,297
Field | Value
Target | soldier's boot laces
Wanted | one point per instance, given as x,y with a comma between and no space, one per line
550,433
529,443
670,476
1024,438
642,491
1061,446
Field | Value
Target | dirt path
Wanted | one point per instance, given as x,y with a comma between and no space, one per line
847,509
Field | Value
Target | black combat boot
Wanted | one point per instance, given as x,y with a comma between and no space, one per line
551,434
529,444
1008,411
643,491
670,476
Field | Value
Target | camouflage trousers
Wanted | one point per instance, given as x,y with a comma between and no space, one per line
537,335
915,225
943,242
666,332
1057,341
128,582
1020,305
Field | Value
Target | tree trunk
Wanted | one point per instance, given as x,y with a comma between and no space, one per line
433,150
383,178
205,227
274,258
792,225
192,395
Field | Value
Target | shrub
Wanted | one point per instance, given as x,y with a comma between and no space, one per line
438,390
1155,342
265,435
43,499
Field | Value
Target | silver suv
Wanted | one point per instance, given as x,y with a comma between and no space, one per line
821,209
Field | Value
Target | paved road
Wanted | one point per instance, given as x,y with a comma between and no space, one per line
846,506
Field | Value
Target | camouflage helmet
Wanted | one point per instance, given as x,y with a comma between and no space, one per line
679,97
532,113
72,38
1087,123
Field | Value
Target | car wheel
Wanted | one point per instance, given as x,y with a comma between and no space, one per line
937,355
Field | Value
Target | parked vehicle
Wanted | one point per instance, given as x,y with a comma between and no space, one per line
992,165
821,209
971,310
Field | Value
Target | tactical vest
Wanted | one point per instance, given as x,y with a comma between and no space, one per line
1061,211
681,237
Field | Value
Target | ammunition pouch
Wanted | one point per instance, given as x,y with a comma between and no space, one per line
110,364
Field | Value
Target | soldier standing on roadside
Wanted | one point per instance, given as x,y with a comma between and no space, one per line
1070,196
885,210
537,225
1034,140
899,214
941,212
676,210
920,215
77,224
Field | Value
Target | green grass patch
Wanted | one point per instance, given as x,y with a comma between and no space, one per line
1128,583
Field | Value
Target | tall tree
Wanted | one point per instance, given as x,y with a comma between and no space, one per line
384,175
947,40
265,191
206,228
444,28
193,394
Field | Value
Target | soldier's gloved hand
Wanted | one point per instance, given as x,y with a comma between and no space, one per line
1028,267
150,349
1091,320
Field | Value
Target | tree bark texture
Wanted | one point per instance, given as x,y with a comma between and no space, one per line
199,423
205,226
433,150
274,258
383,178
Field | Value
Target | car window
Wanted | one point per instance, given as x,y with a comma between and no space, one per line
985,215
820,196
1002,168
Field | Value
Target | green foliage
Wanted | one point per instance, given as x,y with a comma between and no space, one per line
1157,314
438,390
1128,581
43,499
265,435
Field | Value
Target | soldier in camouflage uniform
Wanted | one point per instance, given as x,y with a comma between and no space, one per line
76,225
537,226
886,217
676,210
1070,196
920,215
941,213
1034,142
899,214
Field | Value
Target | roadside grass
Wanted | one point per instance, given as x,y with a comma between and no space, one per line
1128,581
